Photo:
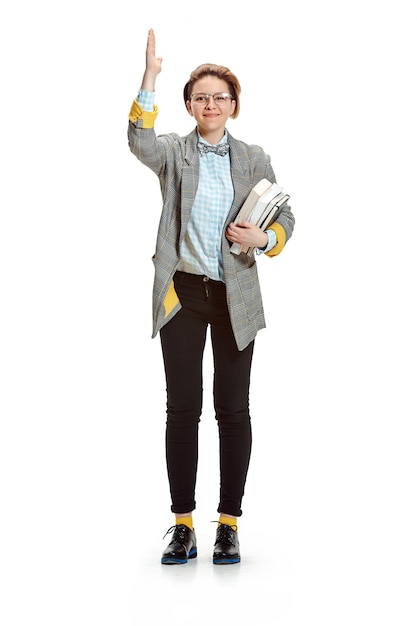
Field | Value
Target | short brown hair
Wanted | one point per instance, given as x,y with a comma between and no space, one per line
209,69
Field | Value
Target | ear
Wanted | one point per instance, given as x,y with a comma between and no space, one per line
233,107
188,105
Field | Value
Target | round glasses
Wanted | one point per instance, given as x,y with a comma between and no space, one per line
201,99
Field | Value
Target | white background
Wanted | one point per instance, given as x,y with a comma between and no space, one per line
328,531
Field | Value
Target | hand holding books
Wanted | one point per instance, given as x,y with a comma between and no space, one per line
247,235
261,208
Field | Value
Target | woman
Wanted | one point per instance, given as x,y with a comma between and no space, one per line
199,283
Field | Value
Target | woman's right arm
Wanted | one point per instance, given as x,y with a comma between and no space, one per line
153,67
143,114
145,98
153,64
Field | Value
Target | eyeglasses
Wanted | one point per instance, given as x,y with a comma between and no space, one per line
201,99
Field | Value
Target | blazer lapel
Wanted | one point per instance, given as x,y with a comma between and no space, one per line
189,181
241,178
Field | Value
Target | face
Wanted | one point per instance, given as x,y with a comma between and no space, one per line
211,118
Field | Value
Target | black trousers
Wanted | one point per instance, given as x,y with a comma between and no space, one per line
183,340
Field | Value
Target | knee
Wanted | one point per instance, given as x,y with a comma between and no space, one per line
182,418
233,418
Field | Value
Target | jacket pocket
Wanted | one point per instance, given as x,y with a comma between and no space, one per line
250,291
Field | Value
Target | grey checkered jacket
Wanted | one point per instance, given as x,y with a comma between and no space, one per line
175,161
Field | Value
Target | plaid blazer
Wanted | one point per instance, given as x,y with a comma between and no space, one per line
175,161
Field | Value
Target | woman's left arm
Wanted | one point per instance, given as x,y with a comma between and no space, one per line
249,235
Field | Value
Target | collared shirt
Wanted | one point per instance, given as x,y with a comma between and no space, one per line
201,248
200,251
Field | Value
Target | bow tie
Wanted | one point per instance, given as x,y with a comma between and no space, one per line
222,149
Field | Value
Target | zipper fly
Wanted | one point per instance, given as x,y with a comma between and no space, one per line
205,281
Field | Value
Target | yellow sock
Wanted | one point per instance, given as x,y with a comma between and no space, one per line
187,521
230,521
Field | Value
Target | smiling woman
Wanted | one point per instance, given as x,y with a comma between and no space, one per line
205,178
211,105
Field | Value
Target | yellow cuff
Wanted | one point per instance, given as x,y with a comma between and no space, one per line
171,299
147,117
281,238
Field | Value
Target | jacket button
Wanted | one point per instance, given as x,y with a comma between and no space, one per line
206,279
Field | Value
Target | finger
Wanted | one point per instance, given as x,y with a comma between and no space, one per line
151,41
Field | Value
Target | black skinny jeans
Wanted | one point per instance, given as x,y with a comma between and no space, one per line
183,339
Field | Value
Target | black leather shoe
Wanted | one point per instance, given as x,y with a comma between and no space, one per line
183,546
226,548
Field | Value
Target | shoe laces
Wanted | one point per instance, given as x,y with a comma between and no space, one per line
226,534
179,531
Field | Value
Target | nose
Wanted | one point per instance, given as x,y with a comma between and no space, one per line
210,102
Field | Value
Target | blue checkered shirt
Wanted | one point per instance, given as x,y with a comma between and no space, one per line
201,249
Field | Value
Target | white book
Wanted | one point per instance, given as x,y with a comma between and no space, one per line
263,202
250,202
271,209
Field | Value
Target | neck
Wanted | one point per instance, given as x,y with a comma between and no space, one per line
212,137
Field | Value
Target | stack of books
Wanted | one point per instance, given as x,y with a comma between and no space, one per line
262,207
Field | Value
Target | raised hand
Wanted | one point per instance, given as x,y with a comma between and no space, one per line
153,63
